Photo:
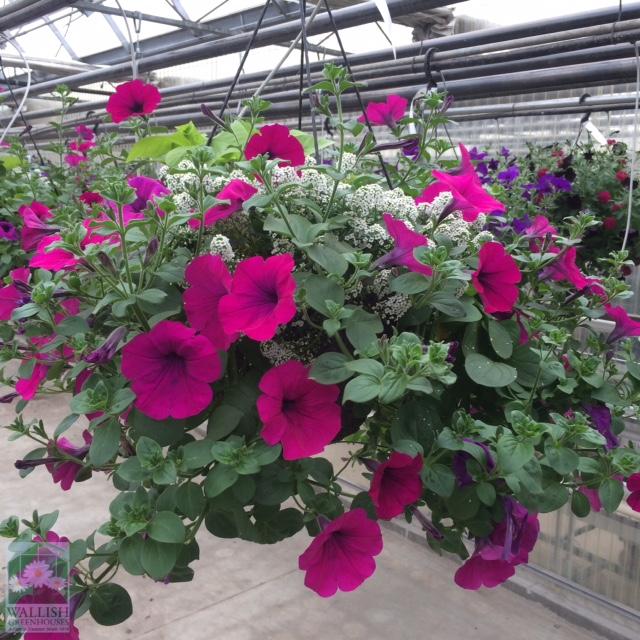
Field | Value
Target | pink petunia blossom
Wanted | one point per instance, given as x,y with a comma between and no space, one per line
469,196
497,278
12,296
261,297
84,132
237,192
396,484
28,387
55,259
171,370
406,240
495,558
147,190
565,269
341,557
540,227
208,279
275,141
386,113
132,99
34,224
299,413
625,326
633,486
65,472
91,197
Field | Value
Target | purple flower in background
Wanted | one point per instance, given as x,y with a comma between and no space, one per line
548,183
601,419
411,149
509,175
460,462
476,154
504,152
493,164
8,231
520,225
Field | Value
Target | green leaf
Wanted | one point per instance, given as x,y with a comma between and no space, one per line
487,493
410,283
105,443
167,527
149,452
158,558
152,296
488,373
440,479
110,604
131,471
221,477
129,554
190,500
561,459
611,493
330,368
150,147
319,289
580,504
513,454
361,389
450,307
362,329
366,366
197,454
500,339
72,326
329,259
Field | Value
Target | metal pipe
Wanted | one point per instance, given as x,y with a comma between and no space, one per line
441,60
347,17
13,16
504,84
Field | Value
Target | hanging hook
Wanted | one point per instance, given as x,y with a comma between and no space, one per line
428,71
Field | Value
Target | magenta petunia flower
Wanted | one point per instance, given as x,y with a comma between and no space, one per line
171,370
147,190
275,141
495,558
91,197
237,192
406,240
386,113
341,557
469,196
34,224
540,228
132,99
625,326
28,387
396,484
261,297
209,280
12,296
299,413
565,269
497,278
84,132
54,259
65,472
633,486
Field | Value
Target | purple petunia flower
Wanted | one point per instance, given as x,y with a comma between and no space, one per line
509,175
601,418
476,154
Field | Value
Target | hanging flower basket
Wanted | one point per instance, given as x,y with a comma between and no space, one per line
221,314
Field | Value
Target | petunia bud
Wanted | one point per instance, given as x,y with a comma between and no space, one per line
152,249
107,350
106,262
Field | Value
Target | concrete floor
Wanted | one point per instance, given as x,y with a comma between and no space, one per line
244,591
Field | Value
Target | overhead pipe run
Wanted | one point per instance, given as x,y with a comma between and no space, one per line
344,18
22,12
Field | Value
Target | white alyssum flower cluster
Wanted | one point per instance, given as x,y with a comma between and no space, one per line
220,246
372,200
436,207
365,235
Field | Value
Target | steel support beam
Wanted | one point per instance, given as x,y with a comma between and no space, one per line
19,13
239,22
